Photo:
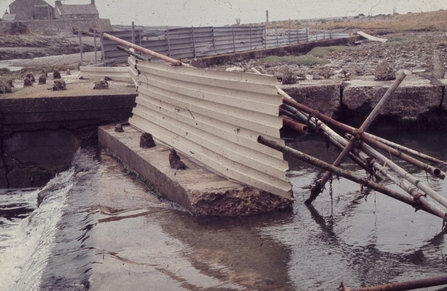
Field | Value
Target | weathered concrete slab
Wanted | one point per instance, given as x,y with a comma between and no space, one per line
197,189
322,95
414,97
41,129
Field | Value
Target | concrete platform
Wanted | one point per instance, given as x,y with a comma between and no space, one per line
196,189
41,129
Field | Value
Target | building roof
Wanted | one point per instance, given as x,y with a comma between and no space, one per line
9,17
87,9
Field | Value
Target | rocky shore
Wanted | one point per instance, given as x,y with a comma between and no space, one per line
409,51
29,46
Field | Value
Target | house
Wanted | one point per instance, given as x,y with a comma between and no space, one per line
30,10
79,11
39,16
41,10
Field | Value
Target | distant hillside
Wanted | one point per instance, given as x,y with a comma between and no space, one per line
425,21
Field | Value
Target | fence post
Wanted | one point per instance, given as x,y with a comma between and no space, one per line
297,33
103,55
264,34
234,42
193,43
214,41
80,47
250,38
139,36
289,32
276,33
94,42
307,33
167,39
133,32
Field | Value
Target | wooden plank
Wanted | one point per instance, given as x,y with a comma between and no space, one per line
370,37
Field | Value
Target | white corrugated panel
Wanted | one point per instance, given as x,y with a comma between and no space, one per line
215,118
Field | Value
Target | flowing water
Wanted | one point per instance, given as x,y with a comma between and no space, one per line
98,228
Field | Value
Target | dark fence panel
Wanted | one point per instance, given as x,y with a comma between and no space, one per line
191,42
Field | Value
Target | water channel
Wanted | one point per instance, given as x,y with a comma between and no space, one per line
99,228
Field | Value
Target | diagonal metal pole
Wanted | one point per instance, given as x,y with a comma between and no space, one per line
317,188
365,151
346,174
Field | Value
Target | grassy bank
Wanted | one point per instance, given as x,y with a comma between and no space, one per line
425,21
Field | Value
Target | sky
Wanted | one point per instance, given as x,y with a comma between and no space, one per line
225,12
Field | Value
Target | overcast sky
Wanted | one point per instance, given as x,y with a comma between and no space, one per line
224,12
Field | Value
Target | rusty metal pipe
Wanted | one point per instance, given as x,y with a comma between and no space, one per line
407,150
138,56
142,49
374,113
435,172
334,138
363,157
295,125
346,174
402,286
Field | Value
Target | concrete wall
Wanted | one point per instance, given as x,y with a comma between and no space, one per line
59,25
39,136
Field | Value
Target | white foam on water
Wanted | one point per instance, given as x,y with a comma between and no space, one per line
22,264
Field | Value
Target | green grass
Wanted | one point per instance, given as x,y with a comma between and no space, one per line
306,60
322,52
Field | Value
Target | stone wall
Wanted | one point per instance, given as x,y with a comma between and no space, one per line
59,25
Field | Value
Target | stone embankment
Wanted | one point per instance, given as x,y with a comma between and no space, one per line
344,85
415,101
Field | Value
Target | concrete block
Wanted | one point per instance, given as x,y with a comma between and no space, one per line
323,96
414,97
196,189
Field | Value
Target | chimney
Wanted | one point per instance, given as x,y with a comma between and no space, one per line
93,2
58,3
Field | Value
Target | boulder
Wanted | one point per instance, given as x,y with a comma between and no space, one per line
438,66
384,72
5,87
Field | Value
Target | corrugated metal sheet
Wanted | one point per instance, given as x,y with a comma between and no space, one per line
215,118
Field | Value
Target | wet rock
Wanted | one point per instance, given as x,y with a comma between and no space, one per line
56,74
103,84
27,82
119,128
438,66
287,76
42,79
5,87
147,141
384,72
59,85
175,162
31,77
234,69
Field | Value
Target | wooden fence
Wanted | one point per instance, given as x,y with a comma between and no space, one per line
192,42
